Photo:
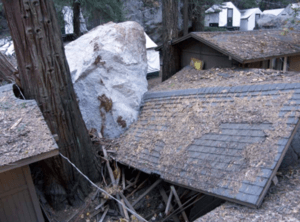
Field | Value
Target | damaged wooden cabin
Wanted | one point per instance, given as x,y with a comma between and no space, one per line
221,132
25,138
275,49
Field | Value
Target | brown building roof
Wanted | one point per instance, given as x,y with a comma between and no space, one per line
25,136
224,140
250,46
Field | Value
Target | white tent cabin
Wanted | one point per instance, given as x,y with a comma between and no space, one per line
225,15
273,11
249,18
152,58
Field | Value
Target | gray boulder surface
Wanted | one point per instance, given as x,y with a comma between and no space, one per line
149,15
279,22
108,67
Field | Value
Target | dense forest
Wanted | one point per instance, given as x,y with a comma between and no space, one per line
98,12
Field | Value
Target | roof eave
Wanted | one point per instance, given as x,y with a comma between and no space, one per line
225,52
270,57
29,160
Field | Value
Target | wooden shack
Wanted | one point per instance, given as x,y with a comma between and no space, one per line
25,138
250,49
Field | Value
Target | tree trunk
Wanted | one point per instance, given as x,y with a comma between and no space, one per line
186,17
198,17
170,32
45,77
6,69
76,18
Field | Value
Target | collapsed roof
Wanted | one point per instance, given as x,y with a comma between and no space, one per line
226,141
25,137
281,203
246,47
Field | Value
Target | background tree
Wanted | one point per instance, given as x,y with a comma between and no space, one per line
45,77
170,32
76,17
96,12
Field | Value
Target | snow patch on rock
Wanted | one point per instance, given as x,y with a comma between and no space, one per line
108,67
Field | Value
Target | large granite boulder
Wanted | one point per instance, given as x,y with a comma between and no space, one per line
109,67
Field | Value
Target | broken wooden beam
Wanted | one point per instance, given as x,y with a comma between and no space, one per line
125,210
179,204
147,191
165,199
142,184
103,215
168,203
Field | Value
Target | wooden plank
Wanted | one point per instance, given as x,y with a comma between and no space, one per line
11,209
285,64
29,205
179,204
165,198
13,191
2,212
168,203
147,191
103,215
24,206
29,160
19,209
33,195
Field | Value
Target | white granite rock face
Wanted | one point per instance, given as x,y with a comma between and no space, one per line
109,67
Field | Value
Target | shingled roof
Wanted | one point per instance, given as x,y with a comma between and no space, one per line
250,46
226,141
280,204
25,137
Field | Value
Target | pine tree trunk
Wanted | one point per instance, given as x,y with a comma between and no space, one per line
170,32
76,18
45,77
186,17
198,18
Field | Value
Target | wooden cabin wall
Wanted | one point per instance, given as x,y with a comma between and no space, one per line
211,57
294,63
18,200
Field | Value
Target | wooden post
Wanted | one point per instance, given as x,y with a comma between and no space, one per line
272,63
285,64
265,64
